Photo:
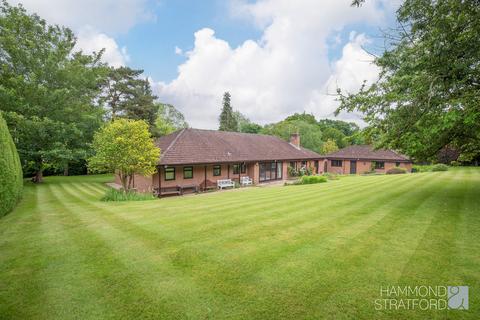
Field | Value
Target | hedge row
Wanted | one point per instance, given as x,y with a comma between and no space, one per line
11,177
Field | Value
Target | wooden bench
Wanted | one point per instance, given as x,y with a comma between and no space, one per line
246,181
225,183
192,187
168,191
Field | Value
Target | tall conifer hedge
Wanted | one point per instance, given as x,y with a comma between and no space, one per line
11,176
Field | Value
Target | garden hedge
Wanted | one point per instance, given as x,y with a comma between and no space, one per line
11,177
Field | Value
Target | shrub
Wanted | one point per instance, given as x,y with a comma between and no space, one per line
455,163
120,195
11,176
396,170
440,167
313,179
421,168
292,172
331,176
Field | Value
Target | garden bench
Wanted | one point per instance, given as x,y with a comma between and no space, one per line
170,190
225,183
246,181
192,187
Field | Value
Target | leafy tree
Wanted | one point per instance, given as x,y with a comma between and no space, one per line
124,146
250,127
169,119
227,118
126,95
311,135
347,128
245,125
47,90
329,146
305,117
11,182
428,93
335,135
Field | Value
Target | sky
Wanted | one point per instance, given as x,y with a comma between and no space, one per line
275,57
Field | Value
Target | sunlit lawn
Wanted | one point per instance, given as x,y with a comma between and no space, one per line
297,252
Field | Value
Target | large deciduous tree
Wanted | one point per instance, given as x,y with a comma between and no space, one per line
168,120
428,93
244,124
47,90
227,119
125,147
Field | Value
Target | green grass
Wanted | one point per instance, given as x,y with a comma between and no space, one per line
305,252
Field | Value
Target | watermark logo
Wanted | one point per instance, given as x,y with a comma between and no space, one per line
457,297
422,298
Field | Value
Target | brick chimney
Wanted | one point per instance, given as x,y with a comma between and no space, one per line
295,140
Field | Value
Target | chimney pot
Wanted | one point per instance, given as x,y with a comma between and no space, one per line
295,140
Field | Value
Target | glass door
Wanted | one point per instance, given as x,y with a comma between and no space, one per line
270,171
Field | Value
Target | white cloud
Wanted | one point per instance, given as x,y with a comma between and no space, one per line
286,71
90,40
178,51
87,17
349,72
110,16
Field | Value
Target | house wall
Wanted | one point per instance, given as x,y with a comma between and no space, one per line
364,166
140,183
199,175
147,184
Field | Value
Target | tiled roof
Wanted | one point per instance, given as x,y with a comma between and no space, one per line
196,146
366,152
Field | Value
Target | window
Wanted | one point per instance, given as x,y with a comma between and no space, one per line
169,173
236,169
243,168
336,163
379,165
293,165
187,172
397,164
217,170
304,164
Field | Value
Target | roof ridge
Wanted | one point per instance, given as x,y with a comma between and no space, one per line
236,132
172,143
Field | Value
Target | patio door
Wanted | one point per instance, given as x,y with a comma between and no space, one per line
353,167
270,171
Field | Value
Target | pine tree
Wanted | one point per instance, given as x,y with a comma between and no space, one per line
227,119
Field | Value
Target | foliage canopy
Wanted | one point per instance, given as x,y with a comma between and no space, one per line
124,146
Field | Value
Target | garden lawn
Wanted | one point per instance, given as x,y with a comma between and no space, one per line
297,252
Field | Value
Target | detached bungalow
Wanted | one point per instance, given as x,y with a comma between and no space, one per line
363,158
194,159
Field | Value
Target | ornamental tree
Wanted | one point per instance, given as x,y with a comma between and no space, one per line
125,147
428,93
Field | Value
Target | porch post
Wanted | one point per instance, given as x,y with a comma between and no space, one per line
205,178
228,171
159,181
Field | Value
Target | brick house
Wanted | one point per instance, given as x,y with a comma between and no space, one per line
357,159
196,159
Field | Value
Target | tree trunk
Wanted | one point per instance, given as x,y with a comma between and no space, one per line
38,178
129,182
123,179
65,170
